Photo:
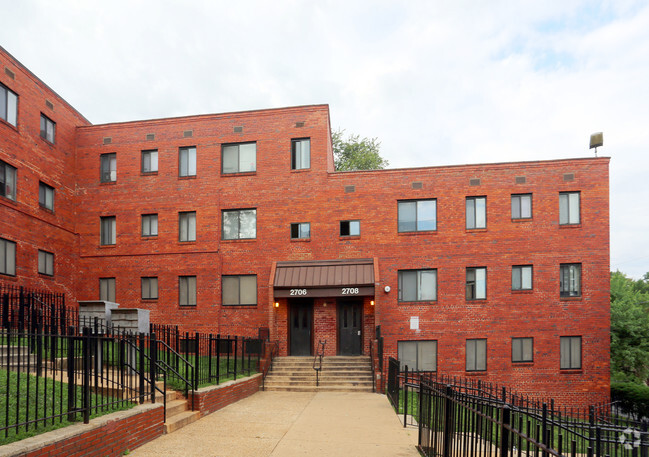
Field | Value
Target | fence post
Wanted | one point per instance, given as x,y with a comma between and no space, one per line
504,431
196,360
218,358
209,358
141,367
153,342
235,357
87,366
72,391
448,422
405,396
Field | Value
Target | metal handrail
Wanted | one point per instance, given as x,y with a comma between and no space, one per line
274,351
318,358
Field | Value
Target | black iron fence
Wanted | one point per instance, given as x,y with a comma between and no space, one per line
459,417
29,309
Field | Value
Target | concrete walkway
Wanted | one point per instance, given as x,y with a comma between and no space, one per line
291,424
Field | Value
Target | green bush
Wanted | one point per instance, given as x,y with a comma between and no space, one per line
632,398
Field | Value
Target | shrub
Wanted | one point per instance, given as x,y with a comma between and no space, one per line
632,398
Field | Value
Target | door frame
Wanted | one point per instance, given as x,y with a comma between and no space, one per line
296,303
361,306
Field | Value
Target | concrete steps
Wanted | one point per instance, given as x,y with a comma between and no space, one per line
178,412
338,374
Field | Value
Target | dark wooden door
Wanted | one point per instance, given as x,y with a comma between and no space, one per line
350,325
300,324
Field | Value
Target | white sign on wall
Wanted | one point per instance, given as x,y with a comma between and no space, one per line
414,322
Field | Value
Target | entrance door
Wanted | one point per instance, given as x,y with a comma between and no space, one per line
299,326
350,324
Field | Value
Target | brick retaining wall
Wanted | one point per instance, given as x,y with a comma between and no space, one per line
210,399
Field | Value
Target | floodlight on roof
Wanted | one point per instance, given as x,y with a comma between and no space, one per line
596,140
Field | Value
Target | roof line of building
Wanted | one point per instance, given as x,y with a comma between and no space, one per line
237,114
18,63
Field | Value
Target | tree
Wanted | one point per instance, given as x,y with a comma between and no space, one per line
629,329
353,153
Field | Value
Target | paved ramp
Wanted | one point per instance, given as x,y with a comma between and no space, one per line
287,424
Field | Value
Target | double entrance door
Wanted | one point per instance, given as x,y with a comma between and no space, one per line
349,327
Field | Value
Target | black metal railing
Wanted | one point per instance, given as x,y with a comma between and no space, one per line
317,360
457,417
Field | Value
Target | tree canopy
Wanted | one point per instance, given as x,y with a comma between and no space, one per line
629,328
355,153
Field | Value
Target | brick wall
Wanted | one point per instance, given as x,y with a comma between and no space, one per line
210,399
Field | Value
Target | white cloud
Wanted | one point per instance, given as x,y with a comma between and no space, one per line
442,82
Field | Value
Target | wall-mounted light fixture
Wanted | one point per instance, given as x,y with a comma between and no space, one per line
276,304
372,302
387,289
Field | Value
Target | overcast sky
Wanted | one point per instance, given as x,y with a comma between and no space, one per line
438,82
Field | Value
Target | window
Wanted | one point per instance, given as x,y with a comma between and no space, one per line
522,206
522,349
108,167
300,154
570,280
476,212
239,290
350,228
187,161
570,352
522,277
418,355
418,285
7,181
476,283
187,226
8,105
48,128
149,225
149,288
107,234
150,161
300,230
46,196
476,355
187,290
239,224
7,257
239,158
417,215
46,263
569,208
107,289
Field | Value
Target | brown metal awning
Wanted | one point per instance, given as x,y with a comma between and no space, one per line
324,278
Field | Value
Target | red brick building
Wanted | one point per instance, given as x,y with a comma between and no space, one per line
229,223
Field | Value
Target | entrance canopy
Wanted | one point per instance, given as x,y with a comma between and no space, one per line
325,278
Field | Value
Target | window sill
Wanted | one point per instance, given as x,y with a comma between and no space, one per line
149,237
300,170
239,240
188,307
300,240
8,277
418,232
476,373
44,208
238,306
108,183
187,242
148,173
187,177
522,364
522,219
570,298
107,246
422,302
473,300
522,291
244,173
45,276
2,121
349,237
569,371
149,300
476,230
569,226
48,142
4,198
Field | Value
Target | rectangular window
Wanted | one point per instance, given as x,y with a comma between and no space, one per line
522,277
418,355
7,181
150,161
569,208
46,196
239,224
300,154
239,290
107,289
7,257
417,285
187,161
149,225
107,234
108,167
476,212
417,215
187,226
300,230
46,263
476,283
350,228
48,128
187,290
239,158
570,280
149,288
570,352
522,350
476,355
8,105
522,206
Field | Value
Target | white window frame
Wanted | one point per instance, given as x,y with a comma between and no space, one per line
239,154
522,277
476,212
228,215
406,278
422,349
233,292
419,224
350,228
187,161
569,208
300,230
521,206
